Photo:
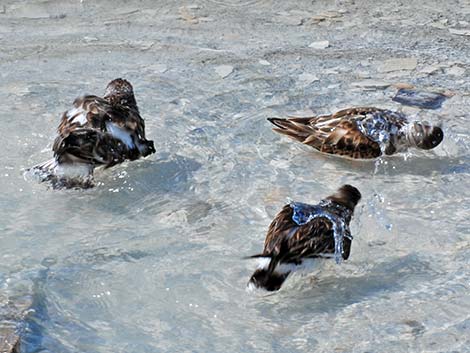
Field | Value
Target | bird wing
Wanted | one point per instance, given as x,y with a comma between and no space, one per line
335,134
289,242
122,123
88,112
91,146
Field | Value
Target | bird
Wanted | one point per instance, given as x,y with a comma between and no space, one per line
361,133
97,131
302,234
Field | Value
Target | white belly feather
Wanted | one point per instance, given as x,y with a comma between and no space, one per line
120,134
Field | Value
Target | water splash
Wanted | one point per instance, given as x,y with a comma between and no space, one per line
304,213
381,129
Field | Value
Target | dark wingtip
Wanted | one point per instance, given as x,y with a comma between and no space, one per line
276,122
256,256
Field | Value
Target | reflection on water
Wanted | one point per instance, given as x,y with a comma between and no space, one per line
150,260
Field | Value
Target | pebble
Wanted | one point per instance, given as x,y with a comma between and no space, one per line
460,32
455,71
326,15
441,24
290,20
264,62
159,68
187,16
89,39
430,69
371,84
307,78
224,70
398,64
323,44
403,85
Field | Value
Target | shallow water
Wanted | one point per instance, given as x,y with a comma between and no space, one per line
151,259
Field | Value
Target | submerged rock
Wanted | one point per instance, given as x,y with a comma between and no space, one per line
460,31
306,78
323,44
422,99
12,313
224,70
9,341
371,84
398,64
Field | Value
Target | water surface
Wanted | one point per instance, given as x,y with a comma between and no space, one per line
151,259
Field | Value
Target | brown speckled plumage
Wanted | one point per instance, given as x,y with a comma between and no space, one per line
97,132
290,243
348,132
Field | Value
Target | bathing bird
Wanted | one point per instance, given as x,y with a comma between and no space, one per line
361,133
302,234
96,132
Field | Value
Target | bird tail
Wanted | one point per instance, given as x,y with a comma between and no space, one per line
268,280
267,276
296,128
63,175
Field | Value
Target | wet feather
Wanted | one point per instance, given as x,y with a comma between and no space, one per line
360,133
97,132
290,241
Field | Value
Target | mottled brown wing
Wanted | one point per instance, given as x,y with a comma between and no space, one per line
90,146
288,242
93,112
334,134
345,139
129,119
88,112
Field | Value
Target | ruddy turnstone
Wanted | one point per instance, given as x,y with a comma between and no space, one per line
96,132
300,234
361,133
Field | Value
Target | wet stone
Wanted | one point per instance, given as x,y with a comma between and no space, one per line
289,20
12,313
398,64
307,78
430,69
323,44
460,32
9,341
455,71
403,85
224,70
422,99
371,84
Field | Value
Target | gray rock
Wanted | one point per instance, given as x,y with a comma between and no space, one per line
307,78
371,84
460,31
422,99
455,71
398,64
323,44
430,69
224,70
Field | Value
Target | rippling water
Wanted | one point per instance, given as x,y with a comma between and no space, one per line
151,259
